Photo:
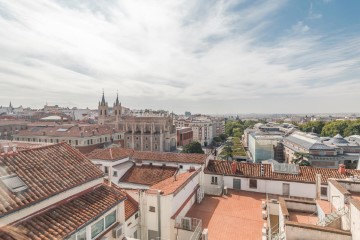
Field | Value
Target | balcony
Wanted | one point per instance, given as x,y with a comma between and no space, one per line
188,228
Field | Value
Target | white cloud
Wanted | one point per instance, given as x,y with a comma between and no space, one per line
158,54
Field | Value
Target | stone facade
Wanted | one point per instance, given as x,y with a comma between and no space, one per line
149,131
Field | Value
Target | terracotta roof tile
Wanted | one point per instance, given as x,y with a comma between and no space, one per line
111,154
64,220
131,206
148,175
67,130
46,171
197,158
170,185
306,174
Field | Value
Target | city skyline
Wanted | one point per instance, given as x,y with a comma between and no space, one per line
201,56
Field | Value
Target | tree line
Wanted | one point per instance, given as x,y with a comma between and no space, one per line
343,127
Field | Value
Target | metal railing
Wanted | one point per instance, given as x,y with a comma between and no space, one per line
187,223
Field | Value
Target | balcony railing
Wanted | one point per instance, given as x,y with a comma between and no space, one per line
193,225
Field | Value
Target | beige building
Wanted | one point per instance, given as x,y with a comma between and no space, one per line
143,130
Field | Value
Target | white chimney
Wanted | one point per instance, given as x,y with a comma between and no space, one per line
14,148
6,148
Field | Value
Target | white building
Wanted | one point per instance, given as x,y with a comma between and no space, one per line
303,201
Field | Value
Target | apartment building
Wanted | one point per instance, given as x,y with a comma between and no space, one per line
9,127
301,201
84,137
166,185
54,192
184,136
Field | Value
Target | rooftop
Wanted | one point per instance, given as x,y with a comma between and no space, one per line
147,174
197,158
172,184
235,216
46,171
67,130
62,221
111,154
305,174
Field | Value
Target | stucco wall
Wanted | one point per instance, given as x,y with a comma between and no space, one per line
293,233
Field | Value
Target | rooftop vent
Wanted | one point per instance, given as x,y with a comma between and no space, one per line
13,183
62,130
285,168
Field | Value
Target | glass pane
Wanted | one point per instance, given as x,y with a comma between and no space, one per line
110,219
97,228
81,235
72,237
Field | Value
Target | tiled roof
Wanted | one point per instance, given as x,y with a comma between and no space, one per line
171,185
307,142
64,220
112,154
67,130
46,171
131,206
306,174
21,145
147,175
197,158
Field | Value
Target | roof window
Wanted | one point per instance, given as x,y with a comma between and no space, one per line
14,183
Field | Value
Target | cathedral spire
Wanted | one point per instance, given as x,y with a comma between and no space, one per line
103,103
117,99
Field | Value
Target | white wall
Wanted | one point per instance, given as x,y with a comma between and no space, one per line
131,226
355,221
297,189
185,168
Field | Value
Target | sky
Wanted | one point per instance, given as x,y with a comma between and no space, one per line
203,56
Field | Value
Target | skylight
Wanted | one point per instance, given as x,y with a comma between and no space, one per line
285,168
62,130
14,183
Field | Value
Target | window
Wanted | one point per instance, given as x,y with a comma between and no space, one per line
253,183
81,235
181,166
76,142
106,170
97,228
136,215
151,209
115,174
186,223
110,219
324,191
214,180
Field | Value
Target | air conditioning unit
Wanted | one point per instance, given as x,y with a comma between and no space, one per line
117,233
205,234
263,205
264,215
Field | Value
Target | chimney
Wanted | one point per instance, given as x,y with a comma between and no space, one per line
342,169
14,148
6,148
318,186
233,167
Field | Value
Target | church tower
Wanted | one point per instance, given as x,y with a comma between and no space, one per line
117,110
103,111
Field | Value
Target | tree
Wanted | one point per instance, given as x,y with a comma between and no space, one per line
334,127
223,137
352,129
227,150
193,147
314,126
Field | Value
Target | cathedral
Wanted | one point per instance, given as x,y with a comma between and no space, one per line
144,131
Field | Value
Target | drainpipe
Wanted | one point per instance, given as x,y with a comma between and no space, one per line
159,213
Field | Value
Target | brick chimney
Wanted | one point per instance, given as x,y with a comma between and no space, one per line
233,167
342,169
